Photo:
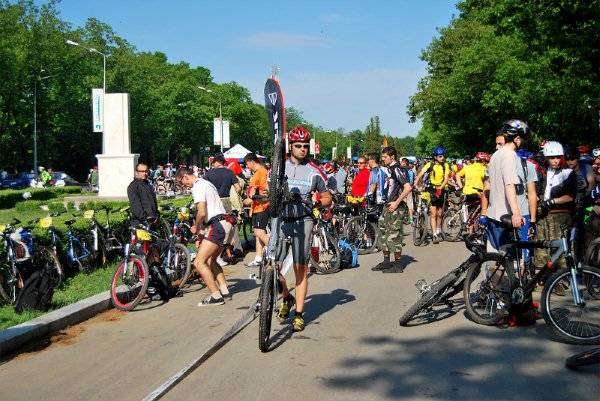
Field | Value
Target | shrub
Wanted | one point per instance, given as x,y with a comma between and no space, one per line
10,197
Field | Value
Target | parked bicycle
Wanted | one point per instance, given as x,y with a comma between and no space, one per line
325,251
421,222
77,253
460,217
107,242
570,299
361,229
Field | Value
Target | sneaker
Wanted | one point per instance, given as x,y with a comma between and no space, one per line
228,296
221,262
285,306
211,301
436,238
382,266
254,263
298,323
156,297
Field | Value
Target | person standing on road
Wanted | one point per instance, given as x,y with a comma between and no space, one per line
360,183
391,219
304,179
504,185
215,227
259,207
340,177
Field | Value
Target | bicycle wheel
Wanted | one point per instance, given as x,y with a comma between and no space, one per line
585,358
451,225
129,285
9,285
276,178
181,263
577,324
265,309
246,229
45,258
362,234
419,229
487,289
329,258
435,294
592,254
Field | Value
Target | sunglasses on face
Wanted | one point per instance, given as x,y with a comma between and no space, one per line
142,171
302,146
361,163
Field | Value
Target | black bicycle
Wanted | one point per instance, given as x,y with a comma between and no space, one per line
362,230
441,291
570,299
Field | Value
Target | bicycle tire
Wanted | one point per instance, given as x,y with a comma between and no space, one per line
419,230
333,265
592,254
141,277
451,225
499,296
564,328
430,297
50,261
354,233
266,309
276,178
183,267
585,358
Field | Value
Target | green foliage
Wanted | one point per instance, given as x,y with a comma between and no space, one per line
10,197
538,61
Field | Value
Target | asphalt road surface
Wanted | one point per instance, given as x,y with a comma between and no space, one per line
352,348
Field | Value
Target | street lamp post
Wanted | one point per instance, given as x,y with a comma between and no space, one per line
93,50
220,111
35,158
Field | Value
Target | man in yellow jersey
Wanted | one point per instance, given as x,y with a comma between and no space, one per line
434,176
474,174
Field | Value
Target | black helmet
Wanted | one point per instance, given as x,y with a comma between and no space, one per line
572,153
514,128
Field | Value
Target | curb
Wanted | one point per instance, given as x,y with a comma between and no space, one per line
15,337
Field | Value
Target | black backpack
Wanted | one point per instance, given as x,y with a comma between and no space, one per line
37,292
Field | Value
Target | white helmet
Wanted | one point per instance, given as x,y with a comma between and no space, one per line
41,168
596,152
553,148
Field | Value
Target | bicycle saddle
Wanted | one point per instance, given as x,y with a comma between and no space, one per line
506,220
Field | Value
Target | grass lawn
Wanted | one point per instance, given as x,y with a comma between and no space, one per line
74,289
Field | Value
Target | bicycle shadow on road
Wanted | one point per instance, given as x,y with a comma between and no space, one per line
462,363
319,304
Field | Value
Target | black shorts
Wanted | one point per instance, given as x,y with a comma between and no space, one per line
437,200
260,220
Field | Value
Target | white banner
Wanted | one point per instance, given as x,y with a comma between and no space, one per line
312,146
98,109
217,132
349,153
334,153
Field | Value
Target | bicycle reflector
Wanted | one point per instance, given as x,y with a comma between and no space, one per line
88,214
355,200
316,213
46,222
142,235
183,214
2,227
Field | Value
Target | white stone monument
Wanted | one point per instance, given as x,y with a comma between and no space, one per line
116,164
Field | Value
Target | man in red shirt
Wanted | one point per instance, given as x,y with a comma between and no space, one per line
361,180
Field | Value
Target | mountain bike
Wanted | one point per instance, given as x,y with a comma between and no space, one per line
362,230
23,257
325,251
441,291
570,299
77,253
458,220
106,241
420,220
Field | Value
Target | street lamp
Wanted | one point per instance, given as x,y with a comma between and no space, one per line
220,111
35,159
93,50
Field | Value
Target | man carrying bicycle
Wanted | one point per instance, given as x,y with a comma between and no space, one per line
304,179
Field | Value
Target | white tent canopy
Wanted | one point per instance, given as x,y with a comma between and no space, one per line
237,152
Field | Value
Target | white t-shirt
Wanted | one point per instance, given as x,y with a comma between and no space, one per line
204,191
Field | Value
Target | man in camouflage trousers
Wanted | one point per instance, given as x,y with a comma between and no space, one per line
390,223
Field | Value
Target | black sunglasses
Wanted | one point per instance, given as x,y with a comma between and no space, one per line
302,146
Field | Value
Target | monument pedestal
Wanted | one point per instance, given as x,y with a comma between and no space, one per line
115,172
116,164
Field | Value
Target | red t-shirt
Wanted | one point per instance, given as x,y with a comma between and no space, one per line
360,183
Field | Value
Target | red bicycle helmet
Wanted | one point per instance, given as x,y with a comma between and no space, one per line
299,134
482,156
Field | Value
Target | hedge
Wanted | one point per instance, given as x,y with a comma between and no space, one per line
10,197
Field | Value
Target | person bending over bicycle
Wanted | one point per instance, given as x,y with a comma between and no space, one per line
303,179
217,228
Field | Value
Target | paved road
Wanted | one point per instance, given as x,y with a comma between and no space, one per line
352,348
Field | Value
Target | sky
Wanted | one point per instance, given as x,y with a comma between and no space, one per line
341,62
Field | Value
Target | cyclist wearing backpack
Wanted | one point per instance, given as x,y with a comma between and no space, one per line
434,176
